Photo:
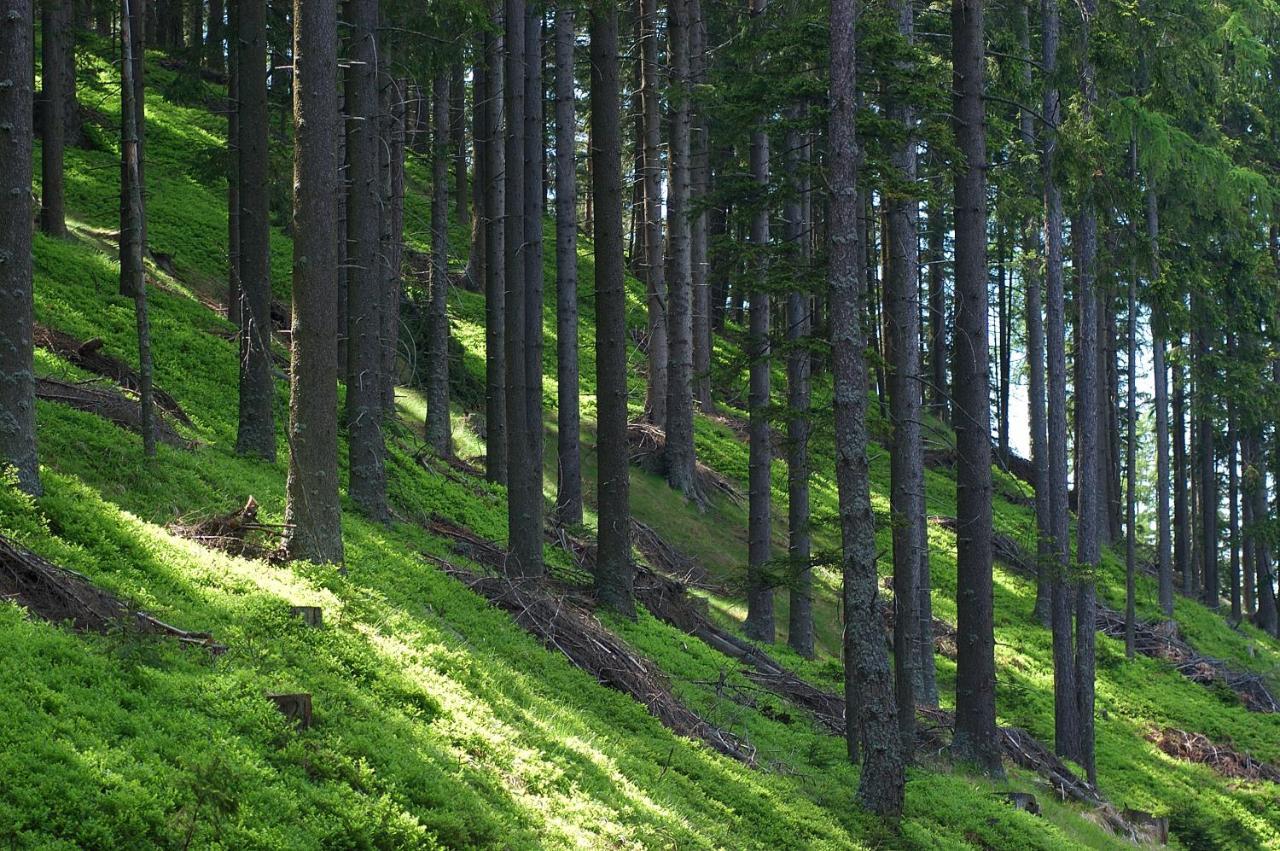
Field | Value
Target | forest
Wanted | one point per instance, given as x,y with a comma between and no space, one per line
671,423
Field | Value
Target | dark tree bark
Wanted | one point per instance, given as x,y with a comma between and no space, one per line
534,208
1266,619
699,179
614,570
1208,470
1246,530
653,270
1233,520
234,291
256,434
128,274
760,623
1003,321
975,737
458,142
1091,480
494,268
438,431
799,401
1131,474
1164,544
195,29
568,507
17,370
939,393
1181,515
364,270
56,56
215,44
679,457
868,682
907,492
394,247
312,512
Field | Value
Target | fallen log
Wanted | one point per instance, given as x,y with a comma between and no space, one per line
108,403
1225,760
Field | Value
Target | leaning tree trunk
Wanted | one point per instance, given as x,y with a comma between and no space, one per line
256,434
975,737
312,512
438,432
55,37
868,682
17,371
495,365
568,451
614,571
678,455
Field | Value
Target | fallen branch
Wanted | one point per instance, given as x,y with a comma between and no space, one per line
237,533
109,404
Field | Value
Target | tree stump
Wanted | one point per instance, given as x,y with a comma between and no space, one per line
1150,828
1024,801
312,616
294,706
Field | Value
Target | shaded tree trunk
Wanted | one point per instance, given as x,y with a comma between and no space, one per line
868,682
128,274
568,452
654,271
17,370
312,512
438,432
234,291
614,569
1131,473
57,54
1164,543
1233,520
1266,619
1181,515
1208,470
394,246
699,179
936,235
495,366
256,434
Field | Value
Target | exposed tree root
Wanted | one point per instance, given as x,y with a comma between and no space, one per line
59,595
1157,640
91,357
109,404
647,444
238,533
1195,747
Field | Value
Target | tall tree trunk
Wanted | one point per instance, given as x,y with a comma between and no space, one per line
678,456
975,737
799,327
1131,473
534,207
215,44
907,492
1164,544
195,30
495,365
1246,529
759,624
394,246
438,431
1066,724
868,683
1181,515
654,271
234,291
614,570
1208,469
569,485
936,235
458,142
364,268
699,179
1266,619
1233,520
55,50
256,434
1003,321
128,274
312,512
17,371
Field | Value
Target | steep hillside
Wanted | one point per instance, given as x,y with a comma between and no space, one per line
437,719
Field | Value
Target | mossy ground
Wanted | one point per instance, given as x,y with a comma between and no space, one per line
438,722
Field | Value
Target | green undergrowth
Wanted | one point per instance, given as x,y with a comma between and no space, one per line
437,720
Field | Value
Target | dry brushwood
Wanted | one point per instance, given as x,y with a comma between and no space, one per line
108,403
567,626
1195,747
90,357
59,595
1156,640
237,533
647,444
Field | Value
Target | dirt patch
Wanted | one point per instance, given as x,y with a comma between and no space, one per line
108,403
647,444
238,533
1195,747
91,356
59,595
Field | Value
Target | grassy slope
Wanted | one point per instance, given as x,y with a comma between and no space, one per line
437,720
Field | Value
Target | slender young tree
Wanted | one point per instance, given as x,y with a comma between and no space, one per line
17,370
614,577
439,433
1164,545
868,682
975,737
568,507
679,457
136,75
132,241
495,365
313,516
55,48
256,434
1131,474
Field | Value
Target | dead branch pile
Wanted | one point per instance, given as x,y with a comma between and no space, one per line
666,558
568,626
238,533
647,444
108,403
469,545
59,595
1195,747
90,357
1157,640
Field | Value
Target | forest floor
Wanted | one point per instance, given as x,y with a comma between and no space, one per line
437,719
